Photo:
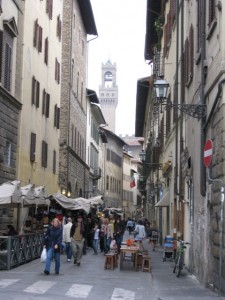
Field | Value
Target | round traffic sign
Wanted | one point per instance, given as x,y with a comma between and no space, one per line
208,151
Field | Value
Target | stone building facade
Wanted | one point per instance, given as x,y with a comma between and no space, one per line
78,23
10,101
185,44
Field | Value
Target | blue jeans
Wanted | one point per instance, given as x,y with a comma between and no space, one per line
95,245
68,250
107,241
50,255
119,239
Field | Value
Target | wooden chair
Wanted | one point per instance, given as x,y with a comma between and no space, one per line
109,261
146,263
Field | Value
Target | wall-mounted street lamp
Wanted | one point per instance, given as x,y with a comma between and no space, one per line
142,156
66,192
194,110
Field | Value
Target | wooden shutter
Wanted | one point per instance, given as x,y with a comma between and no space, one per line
198,26
46,52
191,52
47,105
37,93
35,33
54,162
40,39
43,102
58,117
33,90
212,12
1,53
44,156
55,116
7,73
32,146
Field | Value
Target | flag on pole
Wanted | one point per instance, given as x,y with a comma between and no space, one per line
132,183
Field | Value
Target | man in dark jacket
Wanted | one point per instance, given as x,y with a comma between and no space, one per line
52,242
77,233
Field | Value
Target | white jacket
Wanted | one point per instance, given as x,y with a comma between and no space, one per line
66,232
141,234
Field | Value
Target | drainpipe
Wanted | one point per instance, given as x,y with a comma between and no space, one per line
202,99
182,97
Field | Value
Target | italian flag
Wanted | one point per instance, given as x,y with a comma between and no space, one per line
132,183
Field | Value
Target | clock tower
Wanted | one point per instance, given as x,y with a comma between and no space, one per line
108,94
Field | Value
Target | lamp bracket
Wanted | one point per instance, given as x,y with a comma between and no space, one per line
198,111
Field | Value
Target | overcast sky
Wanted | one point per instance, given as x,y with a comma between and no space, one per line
121,38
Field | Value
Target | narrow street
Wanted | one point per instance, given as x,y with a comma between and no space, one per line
92,281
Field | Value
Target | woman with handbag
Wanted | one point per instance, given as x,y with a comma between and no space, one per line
52,242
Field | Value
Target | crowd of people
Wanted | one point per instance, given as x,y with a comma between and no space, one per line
75,235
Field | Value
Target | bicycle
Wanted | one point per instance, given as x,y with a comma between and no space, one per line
179,260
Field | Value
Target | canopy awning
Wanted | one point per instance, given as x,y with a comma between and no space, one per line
10,193
96,200
165,201
72,204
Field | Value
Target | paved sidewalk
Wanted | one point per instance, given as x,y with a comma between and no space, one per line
165,284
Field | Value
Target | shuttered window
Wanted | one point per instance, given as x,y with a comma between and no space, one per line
212,11
49,7
1,6
57,70
1,53
35,93
46,52
8,67
198,26
44,155
45,104
54,162
37,39
32,147
189,57
56,116
59,27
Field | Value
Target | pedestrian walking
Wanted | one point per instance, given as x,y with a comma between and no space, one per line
139,234
95,240
67,238
119,232
52,242
77,234
154,235
130,225
108,235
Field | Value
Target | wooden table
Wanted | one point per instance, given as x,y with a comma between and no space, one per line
133,250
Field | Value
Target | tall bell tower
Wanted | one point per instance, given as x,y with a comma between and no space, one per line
108,94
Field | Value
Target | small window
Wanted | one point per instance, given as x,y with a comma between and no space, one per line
35,92
57,70
59,28
45,104
32,147
56,116
44,155
54,162
49,6
37,39
46,52
8,67
8,154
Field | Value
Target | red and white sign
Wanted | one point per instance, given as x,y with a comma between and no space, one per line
208,151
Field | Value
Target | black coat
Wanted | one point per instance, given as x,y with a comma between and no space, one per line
53,237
